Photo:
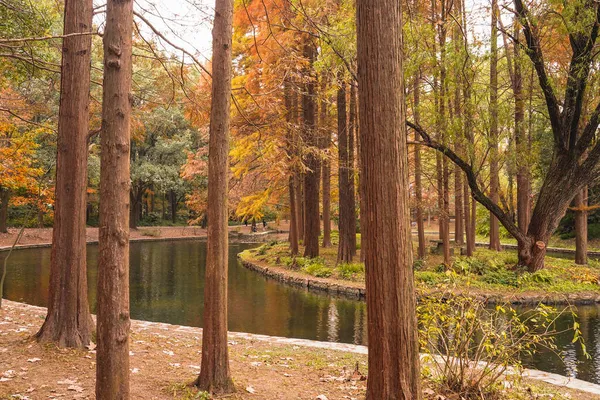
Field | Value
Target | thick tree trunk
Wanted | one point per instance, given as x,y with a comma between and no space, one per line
581,227
394,370
4,198
312,220
347,229
494,165
215,376
299,178
112,368
418,184
68,322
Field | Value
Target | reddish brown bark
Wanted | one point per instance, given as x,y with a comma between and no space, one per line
494,164
418,184
394,370
215,376
347,224
291,153
326,167
312,220
112,362
68,322
581,227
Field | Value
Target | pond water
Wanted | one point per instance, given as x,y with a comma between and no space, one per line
167,285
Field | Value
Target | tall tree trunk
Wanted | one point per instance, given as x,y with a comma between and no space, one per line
291,153
300,204
581,227
68,322
4,197
293,237
467,217
215,376
325,138
312,220
494,167
347,241
112,362
173,200
355,123
135,199
418,184
394,370
352,128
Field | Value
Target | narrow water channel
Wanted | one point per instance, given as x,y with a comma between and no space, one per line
167,285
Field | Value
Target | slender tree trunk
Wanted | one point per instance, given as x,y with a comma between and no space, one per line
293,219
494,167
300,204
112,362
215,376
135,199
4,197
291,153
173,198
394,370
352,128
312,220
68,322
467,218
521,142
581,227
325,139
418,183
459,228
347,241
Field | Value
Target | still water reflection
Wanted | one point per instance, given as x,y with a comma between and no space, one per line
167,285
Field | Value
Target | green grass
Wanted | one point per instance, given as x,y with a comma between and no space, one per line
486,271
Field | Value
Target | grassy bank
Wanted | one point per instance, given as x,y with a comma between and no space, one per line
489,273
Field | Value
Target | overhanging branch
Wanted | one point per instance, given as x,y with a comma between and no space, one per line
478,194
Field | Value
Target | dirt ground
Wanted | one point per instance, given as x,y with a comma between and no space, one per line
165,359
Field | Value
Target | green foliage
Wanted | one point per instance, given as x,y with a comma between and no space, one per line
470,347
351,270
316,267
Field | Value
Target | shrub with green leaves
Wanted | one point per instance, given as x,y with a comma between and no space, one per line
350,271
471,347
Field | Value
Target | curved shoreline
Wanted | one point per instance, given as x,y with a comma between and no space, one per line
356,291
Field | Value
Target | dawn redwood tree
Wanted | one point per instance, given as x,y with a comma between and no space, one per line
493,139
347,219
312,175
68,321
325,164
394,370
418,184
576,150
112,361
581,226
215,376
290,150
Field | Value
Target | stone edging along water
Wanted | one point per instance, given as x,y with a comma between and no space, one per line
234,237
553,379
357,292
